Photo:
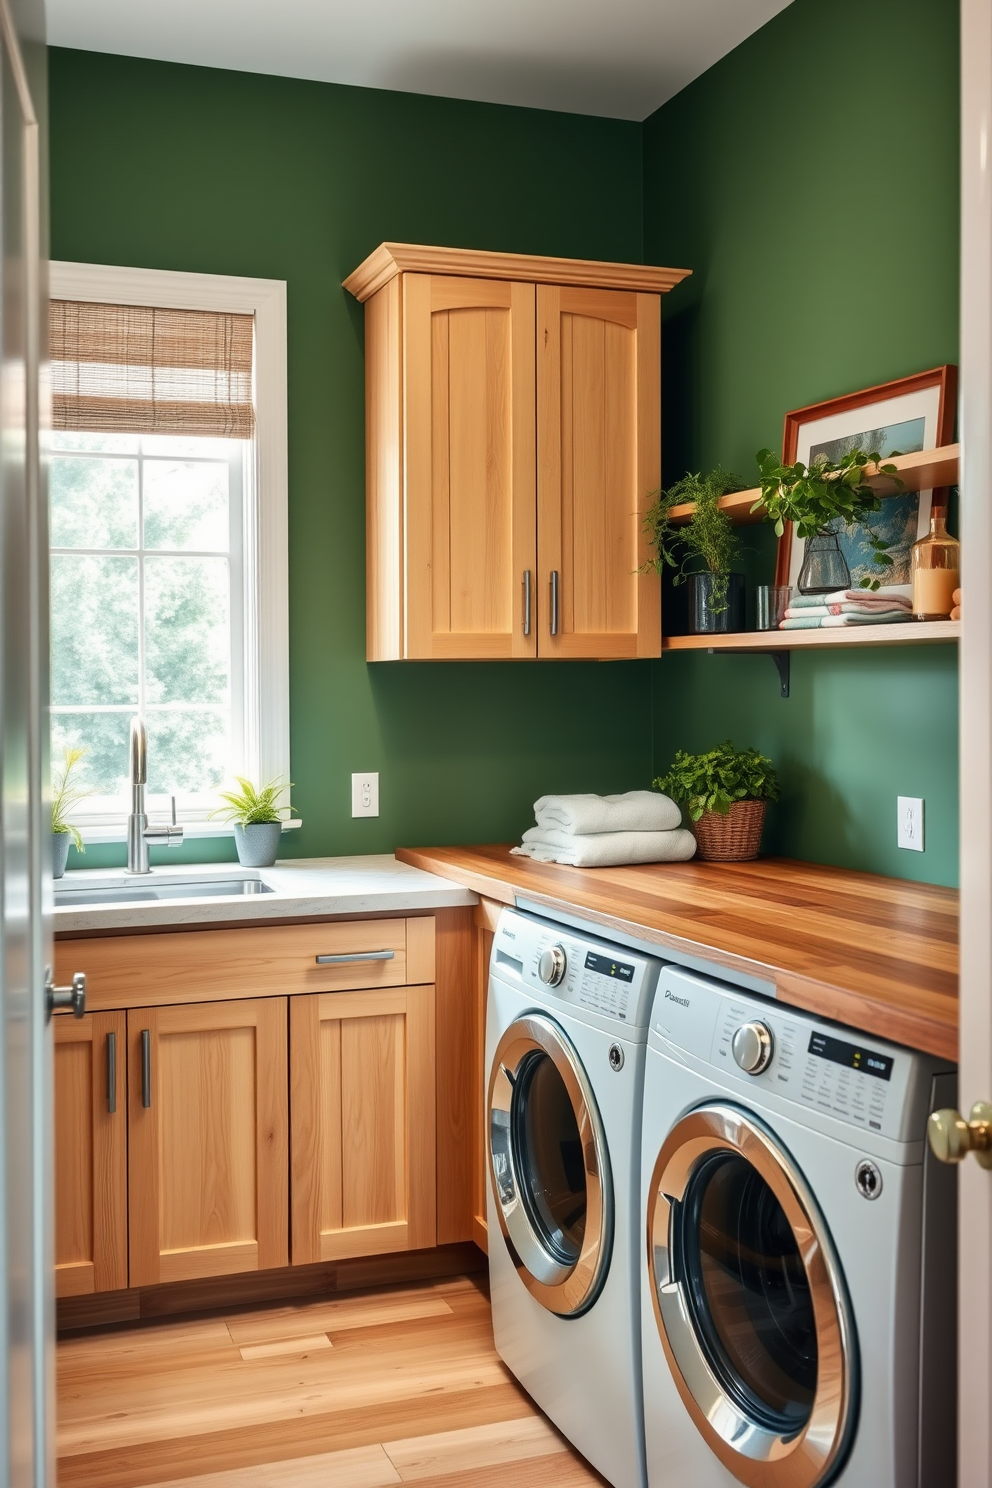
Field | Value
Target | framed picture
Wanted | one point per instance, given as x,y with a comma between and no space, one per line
913,413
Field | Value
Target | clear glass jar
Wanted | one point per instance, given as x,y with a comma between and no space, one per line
824,567
936,570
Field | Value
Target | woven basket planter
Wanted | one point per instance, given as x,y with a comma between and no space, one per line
732,838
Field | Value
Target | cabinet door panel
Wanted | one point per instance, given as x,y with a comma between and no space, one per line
362,1076
599,458
90,1154
468,348
209,1154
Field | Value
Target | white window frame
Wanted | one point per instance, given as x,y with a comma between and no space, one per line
266,506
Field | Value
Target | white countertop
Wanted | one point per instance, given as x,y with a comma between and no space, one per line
301,887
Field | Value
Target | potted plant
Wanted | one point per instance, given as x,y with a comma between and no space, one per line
815,499
257,820
725,793
709,538
65,794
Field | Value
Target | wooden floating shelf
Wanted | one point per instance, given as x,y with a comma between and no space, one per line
919,472
905,633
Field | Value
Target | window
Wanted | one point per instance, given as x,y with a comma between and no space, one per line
168,576
147,590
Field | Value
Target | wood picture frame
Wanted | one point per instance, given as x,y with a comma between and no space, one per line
927,399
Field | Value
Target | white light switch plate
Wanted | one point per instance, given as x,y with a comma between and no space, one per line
909,832
365,795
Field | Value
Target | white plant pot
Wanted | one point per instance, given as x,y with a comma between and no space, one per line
258,844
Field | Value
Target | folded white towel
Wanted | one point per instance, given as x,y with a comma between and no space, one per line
634,811
607,849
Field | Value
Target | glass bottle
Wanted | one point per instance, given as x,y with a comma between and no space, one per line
935,566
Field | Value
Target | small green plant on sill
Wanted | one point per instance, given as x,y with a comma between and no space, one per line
714,781
709,536
66,793
815,496
253,806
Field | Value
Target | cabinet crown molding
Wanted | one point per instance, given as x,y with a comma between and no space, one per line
390,259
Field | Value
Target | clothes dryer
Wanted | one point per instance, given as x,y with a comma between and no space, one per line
565,1040
798,1251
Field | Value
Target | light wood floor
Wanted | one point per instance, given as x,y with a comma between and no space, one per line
395,1386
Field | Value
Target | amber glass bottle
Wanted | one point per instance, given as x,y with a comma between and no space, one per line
935,568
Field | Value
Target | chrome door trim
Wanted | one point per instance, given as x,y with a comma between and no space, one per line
567,1290
756,1455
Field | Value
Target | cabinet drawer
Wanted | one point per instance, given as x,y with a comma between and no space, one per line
263,961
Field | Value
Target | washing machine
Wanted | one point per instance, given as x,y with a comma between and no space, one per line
566,1030
798,1251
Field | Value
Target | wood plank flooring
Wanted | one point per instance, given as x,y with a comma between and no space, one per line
402,1385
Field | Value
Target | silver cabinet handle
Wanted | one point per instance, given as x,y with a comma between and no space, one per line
358,956
65,999
146,1068
554,601
112,1073
527,602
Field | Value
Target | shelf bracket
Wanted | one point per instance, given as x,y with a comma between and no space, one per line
782,660
783,665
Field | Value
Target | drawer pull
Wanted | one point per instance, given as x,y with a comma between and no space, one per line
111,1073
146,1068
356,956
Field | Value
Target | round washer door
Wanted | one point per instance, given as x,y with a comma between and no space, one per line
750,1301
549,1166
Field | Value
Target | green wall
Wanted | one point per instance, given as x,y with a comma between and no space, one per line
815,201
230,173
810,180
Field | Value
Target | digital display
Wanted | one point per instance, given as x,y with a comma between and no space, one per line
618,969
850,1055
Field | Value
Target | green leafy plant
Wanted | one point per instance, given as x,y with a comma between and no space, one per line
714,781
708,539
66,793
814,496
251,806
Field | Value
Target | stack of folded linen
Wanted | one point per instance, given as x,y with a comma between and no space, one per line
850,607
607,831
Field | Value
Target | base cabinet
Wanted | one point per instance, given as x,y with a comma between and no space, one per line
90,1154
218,1135
208,1159
363,1123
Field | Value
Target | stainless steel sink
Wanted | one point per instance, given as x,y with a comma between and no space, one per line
70,896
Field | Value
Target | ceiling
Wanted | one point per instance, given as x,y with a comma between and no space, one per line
618,58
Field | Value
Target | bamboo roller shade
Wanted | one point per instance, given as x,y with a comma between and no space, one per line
133,369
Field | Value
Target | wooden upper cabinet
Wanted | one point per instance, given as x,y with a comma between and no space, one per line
513,432
599,443
208,1141
468,373
90,1154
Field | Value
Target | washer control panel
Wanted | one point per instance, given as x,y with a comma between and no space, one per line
559,962
863,1082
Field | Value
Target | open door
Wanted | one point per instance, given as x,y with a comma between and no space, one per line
975,1245
26,1253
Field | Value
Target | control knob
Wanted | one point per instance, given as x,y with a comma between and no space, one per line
753,1047
551,967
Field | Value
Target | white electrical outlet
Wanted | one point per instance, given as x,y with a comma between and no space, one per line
910,822
365,795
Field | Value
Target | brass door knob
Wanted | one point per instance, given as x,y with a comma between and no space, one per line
952,1138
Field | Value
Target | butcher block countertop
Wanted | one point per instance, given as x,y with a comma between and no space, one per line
879,954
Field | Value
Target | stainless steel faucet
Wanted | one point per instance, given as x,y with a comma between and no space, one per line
139,833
